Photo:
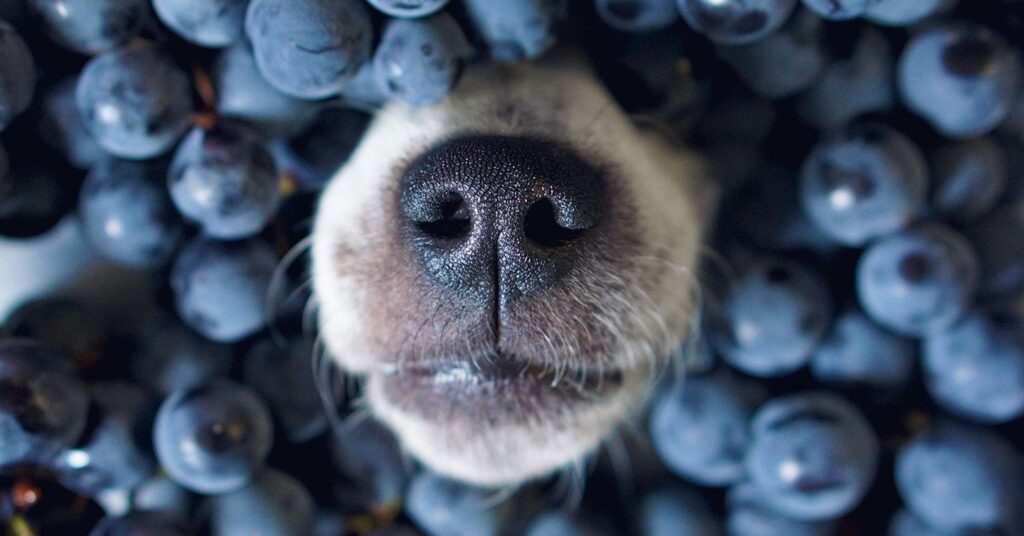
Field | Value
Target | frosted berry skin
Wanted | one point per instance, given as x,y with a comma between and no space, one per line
699,428
918,281
309,49
213,439
225,181
736,22
859,352
43,404
418,61
136,102
275,503
220,288
748,513
637,15
975,368
127,215
901,12
91,26
516,29
676,510
243,94
408,9
956,477
840,9
771,317
442,506
813,456
867,181
960,77
208,23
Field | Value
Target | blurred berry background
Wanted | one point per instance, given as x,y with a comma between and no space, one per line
860,363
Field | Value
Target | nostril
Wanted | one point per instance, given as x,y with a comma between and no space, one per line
541,226
449,220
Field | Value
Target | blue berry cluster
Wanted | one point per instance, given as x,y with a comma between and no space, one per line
859,363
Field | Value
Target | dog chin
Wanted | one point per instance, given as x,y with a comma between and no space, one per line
571,362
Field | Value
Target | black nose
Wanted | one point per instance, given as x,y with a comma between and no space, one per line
502,216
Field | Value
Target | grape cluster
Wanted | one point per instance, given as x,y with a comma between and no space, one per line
858,367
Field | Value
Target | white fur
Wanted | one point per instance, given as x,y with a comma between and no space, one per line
562,100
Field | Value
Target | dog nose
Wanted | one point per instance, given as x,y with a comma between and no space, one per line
504,216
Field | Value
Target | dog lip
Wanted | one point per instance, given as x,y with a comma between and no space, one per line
499,367
495,385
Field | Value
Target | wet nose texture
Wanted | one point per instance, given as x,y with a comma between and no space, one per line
499,217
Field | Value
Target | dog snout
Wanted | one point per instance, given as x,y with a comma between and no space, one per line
497,217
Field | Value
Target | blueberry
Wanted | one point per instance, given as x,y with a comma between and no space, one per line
91,26
329,522
363,92
813,456
736,22
418,61
559,523
209,23
225,181
699,428
172,357
309,48
867,181
998,239
902,12
517,29
111,459
904,523
673,510
858,352
955,477
840,9
368,456
61,126
283,375
67,324
161,494
918,281
126,214
408,9
17,75
274,504
975,367
961,77
748,515
851,87
136,101
221,288
43,406
969,178
771,317
243,93
783,63
442,507
142,523
213,439
637,15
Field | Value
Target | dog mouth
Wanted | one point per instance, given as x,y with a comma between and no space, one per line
493,386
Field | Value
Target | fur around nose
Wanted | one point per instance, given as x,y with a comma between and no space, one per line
494,217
